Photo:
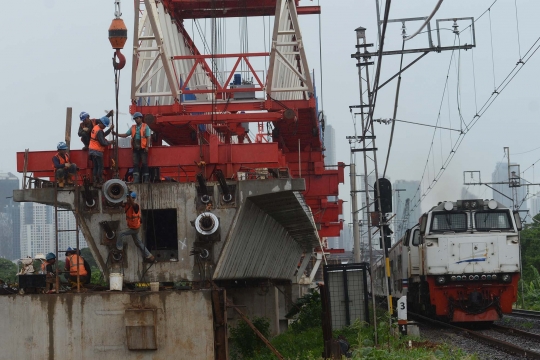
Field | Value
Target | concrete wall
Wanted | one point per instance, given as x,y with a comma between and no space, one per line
92,326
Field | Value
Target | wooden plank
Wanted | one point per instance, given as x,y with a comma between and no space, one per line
68,128
257,332
221,351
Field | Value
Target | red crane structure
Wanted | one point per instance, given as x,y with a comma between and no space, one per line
199,110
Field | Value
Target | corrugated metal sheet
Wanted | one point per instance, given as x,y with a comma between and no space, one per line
268,237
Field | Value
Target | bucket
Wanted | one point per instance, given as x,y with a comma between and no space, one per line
154,286
116,280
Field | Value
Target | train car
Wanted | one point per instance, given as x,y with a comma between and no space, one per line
399,260
463,261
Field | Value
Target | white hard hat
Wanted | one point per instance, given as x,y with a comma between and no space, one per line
40,257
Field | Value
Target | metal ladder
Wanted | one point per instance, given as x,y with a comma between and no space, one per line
57,190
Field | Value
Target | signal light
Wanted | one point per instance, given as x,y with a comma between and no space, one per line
385,187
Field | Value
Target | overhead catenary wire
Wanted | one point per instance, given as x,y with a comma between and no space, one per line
487,104
396,101
433,12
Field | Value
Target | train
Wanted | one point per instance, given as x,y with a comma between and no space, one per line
460,262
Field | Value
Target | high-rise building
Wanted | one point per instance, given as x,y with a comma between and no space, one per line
535,205
9,217
407,190
500,174
329,145
38,231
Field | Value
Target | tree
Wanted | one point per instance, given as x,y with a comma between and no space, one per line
87,255
530,248
8,271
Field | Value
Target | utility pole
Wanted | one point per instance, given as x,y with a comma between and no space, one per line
356,234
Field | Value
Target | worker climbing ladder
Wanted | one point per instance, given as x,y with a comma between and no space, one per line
57,190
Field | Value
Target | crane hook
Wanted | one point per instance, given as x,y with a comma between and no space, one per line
118,65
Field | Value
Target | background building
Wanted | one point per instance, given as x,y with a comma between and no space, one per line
38,232
400,197
9,217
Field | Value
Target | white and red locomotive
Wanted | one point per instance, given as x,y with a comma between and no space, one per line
461,262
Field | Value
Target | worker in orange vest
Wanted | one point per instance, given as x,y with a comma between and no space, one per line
65,170
133,219
140,142
73,261
86,127
97,147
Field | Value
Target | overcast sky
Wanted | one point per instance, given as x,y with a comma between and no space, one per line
56,54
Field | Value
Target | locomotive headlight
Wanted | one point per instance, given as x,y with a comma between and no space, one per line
483,277
489,277
453,278
440,280
506,278
471,277
476,277
494,277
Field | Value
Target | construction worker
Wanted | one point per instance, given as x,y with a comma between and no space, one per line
65,170
48,268
140,142
97,147
86,127
133,219
73,261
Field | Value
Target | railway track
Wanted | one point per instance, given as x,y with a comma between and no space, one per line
516,332
490,340
525,313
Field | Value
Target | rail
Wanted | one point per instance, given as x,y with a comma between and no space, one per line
497,343
526,313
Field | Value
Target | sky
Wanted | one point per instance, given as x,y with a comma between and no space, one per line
59,56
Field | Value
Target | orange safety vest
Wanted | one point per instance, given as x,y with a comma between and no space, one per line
61,159
143,137
133,219
75,261
94,143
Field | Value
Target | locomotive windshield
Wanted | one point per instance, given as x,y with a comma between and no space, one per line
447,221
492,220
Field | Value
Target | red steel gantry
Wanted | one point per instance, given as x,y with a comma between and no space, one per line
199,111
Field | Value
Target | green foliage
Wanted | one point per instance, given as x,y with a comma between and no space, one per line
530,259
308,312
394,348
87,255
97,277
8,271
245,344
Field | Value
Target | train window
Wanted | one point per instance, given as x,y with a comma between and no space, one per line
449,221
416,238
493,220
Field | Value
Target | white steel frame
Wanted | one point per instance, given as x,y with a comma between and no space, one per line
285,80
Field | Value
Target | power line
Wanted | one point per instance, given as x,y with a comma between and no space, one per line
507,80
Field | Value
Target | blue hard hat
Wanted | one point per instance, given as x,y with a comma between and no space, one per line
50,256
69,249
105,121
133,194
136,115
83,116
61,146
